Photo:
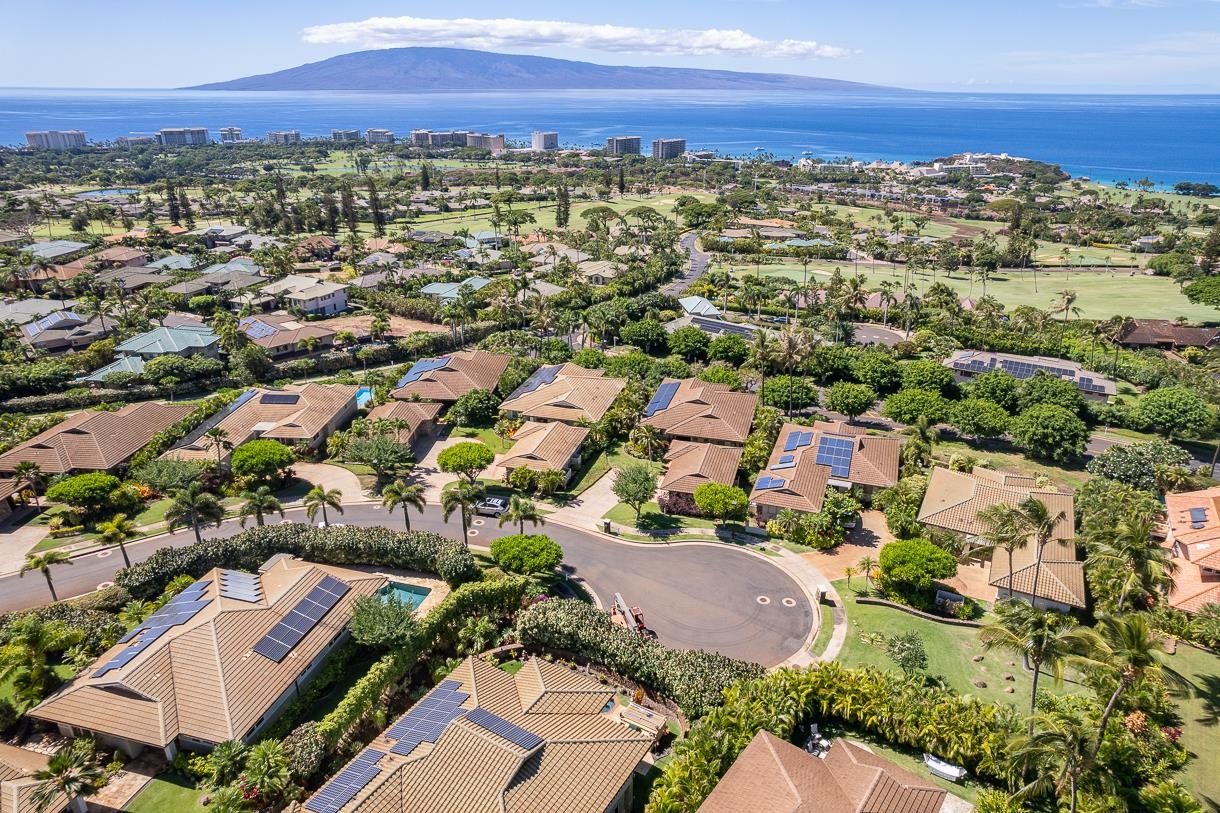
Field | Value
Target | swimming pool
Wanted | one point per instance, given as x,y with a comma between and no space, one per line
411,594
363,396
106,193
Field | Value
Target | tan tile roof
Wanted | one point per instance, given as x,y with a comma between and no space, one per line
17,785
298,412
690,465
543,446
774,776
95,441
200,679
703,411
599,268
288,331
874,462
583,762
415,413
463,371
575,394
1196,583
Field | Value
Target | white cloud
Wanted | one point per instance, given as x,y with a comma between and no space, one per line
501,34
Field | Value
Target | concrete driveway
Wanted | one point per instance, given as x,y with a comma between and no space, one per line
332,477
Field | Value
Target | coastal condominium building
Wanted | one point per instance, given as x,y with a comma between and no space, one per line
666,148
55,139
623,145
344,135
485,141
377,135
283,136
134,140
230,135
544,142
183,136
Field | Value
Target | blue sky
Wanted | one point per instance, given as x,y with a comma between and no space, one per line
1110,46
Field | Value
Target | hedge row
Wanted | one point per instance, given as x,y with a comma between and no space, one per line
693,679
80,398
497,598
901,710
413,550
161,442
93,615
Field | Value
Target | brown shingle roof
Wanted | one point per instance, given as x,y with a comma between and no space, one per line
200,679
462,371
774,776
574,394
1146,332
415,413
17,783
703,411
690,465
583,762
543,446
95,441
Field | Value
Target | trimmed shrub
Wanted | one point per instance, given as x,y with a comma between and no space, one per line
526,553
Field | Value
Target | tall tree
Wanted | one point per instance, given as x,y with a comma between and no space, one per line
407,495
43,562
117,531
258,503
319,499
522,510
1040,637
462,497
194,506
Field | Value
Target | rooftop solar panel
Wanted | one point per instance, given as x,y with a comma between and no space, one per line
301,619
662,399
279,398
767,481
503,728
427,720
347,784
180,609
836,453
242,586
419,368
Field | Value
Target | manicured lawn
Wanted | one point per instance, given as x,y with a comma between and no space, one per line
496,443
1011,461
153,513
167,793
589,473
512,667
825,631
651,518
1200,719
62,671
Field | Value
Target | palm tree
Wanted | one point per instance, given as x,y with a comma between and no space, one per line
462,497
319,498
72,774
522,510
194,506
24,656
1038,636
258,503
1038,518
29,473
762,356
408,496
791,349
867,565
42,562
1006,531
648,441
1146,567
849,572
1127,648
1067,302
1056,755
217,439
116,532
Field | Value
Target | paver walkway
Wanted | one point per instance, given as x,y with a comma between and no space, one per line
329,476
127,783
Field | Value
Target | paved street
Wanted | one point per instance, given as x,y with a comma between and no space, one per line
698,265
703,596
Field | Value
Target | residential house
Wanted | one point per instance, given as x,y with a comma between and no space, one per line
540,288
130,279
774,776
133,365
1166,335
65,330
23,311
18,766
486,741
9,491
549,446
564,392
184,340
12,239
447,378
174,262
220,235
219,662
953,502
449,291
548,255
420,417
1193,538
714,327
699,306
599,272
281,334
808,459
700,411
299,415
966,364
95,441
318,247
379,259
309,294
53,249
689,464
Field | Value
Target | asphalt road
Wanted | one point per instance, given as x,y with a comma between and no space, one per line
699,261
692,596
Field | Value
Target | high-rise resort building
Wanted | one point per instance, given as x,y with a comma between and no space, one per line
623,145
230,135
485,141
666,148
376,135
544,142
283,136
344,135
183,136
127,142
55,139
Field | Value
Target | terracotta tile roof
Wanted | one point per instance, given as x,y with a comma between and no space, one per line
275,331
17,783
1162,331
573,394
95,441
690,465
298,412
543,446
774,776
702,411
460,372
200,679
1194,541
415,413
874,462
582,762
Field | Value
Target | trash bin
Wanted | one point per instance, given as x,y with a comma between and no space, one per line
605,526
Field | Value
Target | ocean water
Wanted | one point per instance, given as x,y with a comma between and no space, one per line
1109,138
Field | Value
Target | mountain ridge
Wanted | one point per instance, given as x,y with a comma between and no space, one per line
457,69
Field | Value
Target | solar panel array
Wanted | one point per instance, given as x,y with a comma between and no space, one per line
257,329
178,610
767,481
543,375
279,398
242,586
786,461
419,368
1089,385
663,398
797,439
427,720
720,326
301,619
501,727
347,783
836,453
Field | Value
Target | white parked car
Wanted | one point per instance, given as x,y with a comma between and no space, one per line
491,507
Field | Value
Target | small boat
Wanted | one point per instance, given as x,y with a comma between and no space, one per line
943,768
760,149
806,152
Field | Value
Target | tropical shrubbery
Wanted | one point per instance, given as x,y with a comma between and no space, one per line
693,679
910,569
1138,464
412,550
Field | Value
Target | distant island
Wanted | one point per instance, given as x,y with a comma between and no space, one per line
457,69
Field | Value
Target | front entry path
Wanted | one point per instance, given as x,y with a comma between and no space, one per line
332,477
586,510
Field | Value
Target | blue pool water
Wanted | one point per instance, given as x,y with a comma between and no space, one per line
106,193
411,594
363,396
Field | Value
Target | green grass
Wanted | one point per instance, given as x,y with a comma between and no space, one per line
486,436
825,631
61,670
512,667
1011,461
591,470
1200,719
167,793
651,519
153,513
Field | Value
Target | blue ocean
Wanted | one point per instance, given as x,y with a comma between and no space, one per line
1108,138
